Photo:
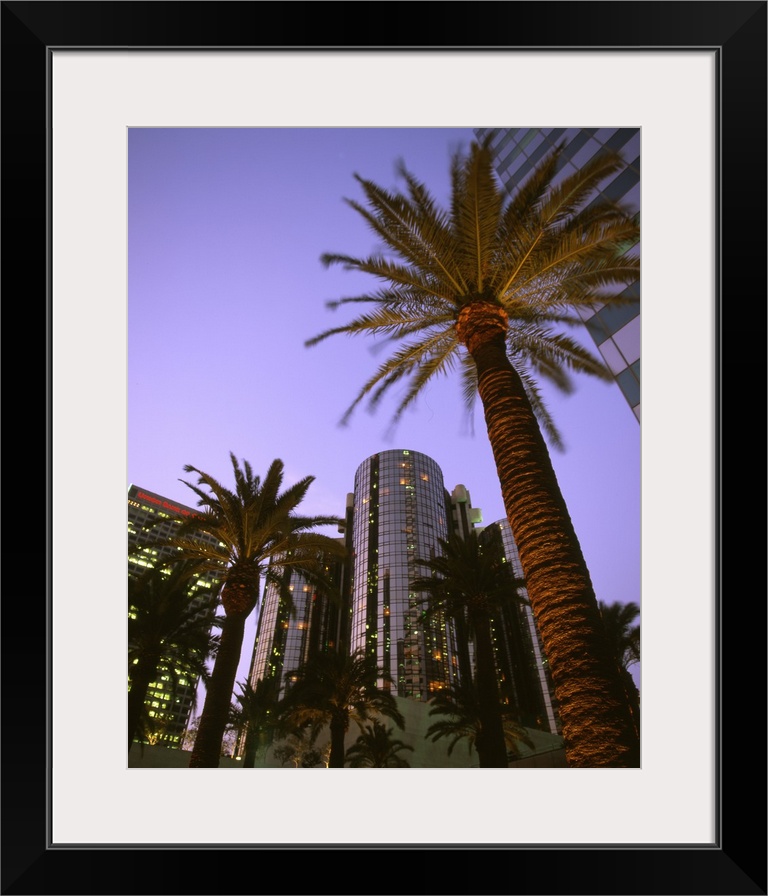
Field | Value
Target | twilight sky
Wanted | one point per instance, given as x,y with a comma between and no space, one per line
225,232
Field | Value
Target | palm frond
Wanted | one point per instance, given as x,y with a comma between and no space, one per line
540,252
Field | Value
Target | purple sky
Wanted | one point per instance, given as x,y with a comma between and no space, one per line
225,232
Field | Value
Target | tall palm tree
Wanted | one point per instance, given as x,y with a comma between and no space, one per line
376,747
624,638
247,527
460,706
255,715
468,582
168,630
335,689
490,285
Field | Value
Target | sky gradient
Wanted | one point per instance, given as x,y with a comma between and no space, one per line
225,232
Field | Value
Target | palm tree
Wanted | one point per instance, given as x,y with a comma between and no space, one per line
468,582
168,631
624,638
376,747
490,285
256,715
247,528
461,706
335,689
298,747
228,741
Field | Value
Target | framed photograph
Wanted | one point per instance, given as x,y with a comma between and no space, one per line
692,77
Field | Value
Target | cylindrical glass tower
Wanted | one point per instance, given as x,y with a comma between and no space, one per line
400,510
291,631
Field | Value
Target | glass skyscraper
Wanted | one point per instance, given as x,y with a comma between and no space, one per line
615,331
401,509
395,516
292,628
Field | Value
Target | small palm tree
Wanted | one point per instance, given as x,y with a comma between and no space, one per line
623,635
376,747
255,715
624,638
335,689
246,528
168,631
299,748
490,286
460,704
467,582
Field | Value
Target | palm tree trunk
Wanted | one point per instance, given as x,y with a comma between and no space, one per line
251,748
490,744
338,729
462,649
597,724
218,696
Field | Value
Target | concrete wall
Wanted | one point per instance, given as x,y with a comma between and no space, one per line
547,752
164,757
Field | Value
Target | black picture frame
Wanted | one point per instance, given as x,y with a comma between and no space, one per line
735,863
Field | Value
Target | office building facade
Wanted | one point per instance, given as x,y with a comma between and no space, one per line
152,517
615,331
296,621
401,509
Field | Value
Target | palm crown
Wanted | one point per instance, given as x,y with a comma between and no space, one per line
254,529
376,747
537,255
464,576
623,634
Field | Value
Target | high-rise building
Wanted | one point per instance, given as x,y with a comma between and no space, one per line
615,330
151,517
395,516
401,508
296,621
